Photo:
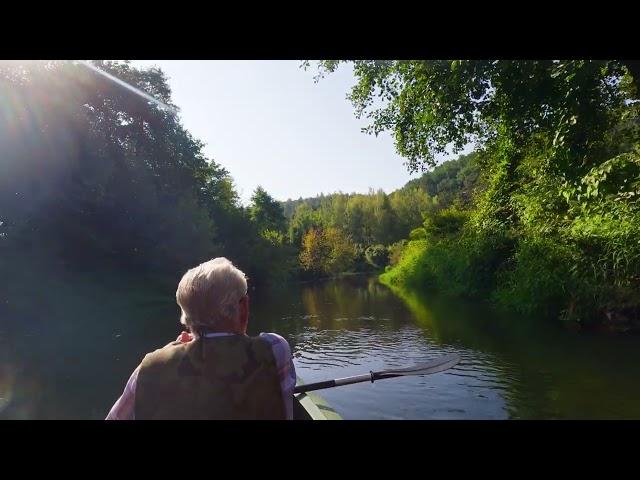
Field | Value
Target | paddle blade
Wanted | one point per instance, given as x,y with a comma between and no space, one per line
434,366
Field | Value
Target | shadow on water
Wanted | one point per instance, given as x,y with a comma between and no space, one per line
69,345
547,371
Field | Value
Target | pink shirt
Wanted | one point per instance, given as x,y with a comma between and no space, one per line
124,408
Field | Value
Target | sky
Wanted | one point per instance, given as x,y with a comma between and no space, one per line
268,123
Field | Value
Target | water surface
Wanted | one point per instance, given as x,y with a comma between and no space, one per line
74,359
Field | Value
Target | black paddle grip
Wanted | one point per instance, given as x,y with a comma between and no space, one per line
314,386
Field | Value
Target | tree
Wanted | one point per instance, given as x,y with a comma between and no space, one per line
341,251
313,251
410,205
92,172
434,104
546,207
94,175
304,218
384,229
326,251
266,212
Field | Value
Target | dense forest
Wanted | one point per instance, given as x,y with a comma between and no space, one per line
553,230
365,232
542,218
93,175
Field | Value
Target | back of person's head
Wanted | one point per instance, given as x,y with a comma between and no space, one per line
209,294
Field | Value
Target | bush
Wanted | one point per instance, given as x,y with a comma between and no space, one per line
377,255
445,223
418,234
465,265
395,251
539,281
326,251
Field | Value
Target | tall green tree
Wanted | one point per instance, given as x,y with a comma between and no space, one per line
94,175
92,172
435,104
304,218
266,212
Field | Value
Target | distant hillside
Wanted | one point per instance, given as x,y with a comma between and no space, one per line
450,179
289,206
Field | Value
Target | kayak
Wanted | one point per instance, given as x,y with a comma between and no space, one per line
308,406
311,406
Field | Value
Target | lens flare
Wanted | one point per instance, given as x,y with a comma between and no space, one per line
124,84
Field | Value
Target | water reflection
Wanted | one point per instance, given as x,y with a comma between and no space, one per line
355,325
510,368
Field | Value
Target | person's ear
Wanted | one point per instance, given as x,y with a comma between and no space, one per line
244,313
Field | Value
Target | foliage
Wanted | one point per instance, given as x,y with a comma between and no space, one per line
265,212
451,181
431,105
550,225
94,175
377,220
395,252
543,217
377,255
418,234
326,252
445,223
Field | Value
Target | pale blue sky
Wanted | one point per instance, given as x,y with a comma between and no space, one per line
269,124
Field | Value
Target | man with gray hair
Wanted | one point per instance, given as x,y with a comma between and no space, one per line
214,370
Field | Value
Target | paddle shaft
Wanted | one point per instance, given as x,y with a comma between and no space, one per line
434,366
372,376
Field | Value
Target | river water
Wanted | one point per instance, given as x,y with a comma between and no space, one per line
75,364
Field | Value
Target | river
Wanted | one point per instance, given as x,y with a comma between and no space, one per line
74,361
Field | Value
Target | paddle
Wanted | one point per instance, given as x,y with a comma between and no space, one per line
433,366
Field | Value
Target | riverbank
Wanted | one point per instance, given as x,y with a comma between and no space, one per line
544,294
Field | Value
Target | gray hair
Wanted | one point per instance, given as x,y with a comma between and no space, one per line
209,294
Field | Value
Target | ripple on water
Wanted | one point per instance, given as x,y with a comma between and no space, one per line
332,353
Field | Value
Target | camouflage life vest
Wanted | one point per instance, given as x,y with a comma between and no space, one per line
221,378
